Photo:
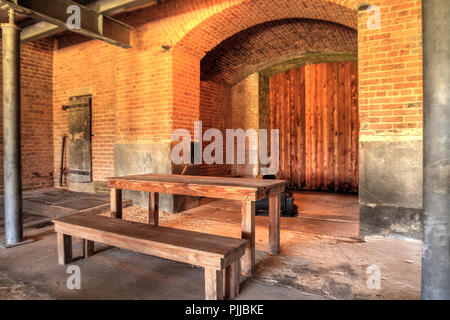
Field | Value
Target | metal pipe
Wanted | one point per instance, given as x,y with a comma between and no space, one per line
436,142
11,131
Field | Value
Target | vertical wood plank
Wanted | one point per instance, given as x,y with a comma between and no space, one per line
319,126
278,116
248,233
313,127
281,121
298,129
303,126
325,125
336,125
355,126
286,126
330,122
308,108
348,124
272,102
341,115
292,130
287,119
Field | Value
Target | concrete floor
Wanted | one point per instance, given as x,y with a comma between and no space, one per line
42,205
32,272
326,214
310,266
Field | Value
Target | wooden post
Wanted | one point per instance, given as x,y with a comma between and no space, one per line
116,203
153,208
213,284
248,233
274,223
88,248
64,248
232,280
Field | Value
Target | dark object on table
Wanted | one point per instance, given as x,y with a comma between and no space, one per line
287,203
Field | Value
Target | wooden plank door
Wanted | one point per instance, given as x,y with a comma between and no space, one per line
315,107
80,147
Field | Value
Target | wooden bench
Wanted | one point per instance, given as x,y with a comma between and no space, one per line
220,256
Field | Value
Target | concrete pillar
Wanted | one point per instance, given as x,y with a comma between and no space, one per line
436,242
11,131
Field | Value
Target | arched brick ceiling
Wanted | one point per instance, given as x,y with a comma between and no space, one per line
248,13
272,42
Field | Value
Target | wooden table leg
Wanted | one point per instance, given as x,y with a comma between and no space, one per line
116,203
64,248
153,208
248,233
88,248
213,284
232,280
274,223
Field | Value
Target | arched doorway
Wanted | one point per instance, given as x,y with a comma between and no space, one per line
237,50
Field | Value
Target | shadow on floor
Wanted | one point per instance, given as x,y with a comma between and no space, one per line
319,213
43,205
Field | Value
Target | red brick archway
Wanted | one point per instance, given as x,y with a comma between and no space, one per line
247,13
206,35
268,48
275,42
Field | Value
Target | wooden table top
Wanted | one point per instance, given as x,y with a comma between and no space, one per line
201,186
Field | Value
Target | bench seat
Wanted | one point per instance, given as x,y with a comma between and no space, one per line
220,256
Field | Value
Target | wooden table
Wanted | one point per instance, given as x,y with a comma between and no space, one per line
247,190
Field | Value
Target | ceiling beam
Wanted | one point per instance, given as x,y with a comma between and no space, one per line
93,24
44,29
111,7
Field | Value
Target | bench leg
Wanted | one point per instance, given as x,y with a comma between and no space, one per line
116,203
64,248
153,208
248,233
232,280
213,284
88,248
274,224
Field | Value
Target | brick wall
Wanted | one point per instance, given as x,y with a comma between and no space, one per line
93,74
390,71
215,112
132,92
36,115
